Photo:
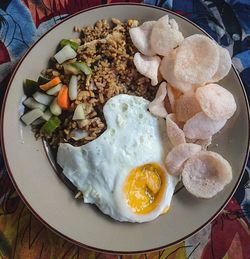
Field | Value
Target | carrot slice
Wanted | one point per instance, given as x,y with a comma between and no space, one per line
63,98
53,82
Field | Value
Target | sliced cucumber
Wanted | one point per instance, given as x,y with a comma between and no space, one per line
47,115
83,67
64,54
73,88
31,116
55,108
74,45
42,80
42,98
54,90
30,87
33,104
37,122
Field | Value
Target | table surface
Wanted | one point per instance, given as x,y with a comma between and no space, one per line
21,234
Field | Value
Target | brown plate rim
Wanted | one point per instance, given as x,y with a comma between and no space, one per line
46,223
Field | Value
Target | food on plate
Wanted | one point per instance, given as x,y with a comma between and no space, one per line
197,59
123,171
186,106
224,66
147,66
76,90
173,95
66,53
178,155
140,37
200,126
157,106
167,71
165,35
204,143
130,110
174,131
216,102
206,174
196,109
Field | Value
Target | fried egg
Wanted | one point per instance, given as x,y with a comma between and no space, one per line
122,172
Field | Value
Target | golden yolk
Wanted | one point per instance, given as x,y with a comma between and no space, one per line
144,188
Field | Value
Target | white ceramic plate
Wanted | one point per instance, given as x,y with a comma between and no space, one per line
49,199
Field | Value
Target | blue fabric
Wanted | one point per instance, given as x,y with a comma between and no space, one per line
16,32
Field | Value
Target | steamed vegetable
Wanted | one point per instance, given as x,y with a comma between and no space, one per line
83,67
74,45
51,125
33,104
53,82
73,88
48,105
64,54
42,80
31,116
77,68
54,90
30,87
63,98
47,115
38,122
42,98
55,108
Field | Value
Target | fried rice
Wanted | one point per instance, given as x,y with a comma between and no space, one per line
108,50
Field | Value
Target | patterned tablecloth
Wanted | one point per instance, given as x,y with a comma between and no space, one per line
22,235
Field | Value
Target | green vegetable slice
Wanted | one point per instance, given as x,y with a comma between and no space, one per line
83,67
72,44
51,125
30,87
30,116
65,54
77,68
42,80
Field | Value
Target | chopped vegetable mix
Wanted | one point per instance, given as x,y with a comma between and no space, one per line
47,97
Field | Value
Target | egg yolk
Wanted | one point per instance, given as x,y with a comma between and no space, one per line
144,188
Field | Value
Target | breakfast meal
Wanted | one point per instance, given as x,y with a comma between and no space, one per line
130,110
133,186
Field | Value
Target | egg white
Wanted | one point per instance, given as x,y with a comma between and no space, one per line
134,137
